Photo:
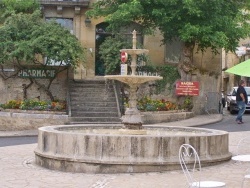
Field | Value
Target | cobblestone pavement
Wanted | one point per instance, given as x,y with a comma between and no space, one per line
19,171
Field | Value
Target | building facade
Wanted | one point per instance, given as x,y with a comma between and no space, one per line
72,15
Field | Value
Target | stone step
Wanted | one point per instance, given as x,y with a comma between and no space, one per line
76,101
91,85
93,114
93,109
92,94
95,119
92,104
88,82
89,90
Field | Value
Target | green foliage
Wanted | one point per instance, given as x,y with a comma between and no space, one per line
215,24
168,72
27,39
188,103
8,7
24,36
110,53
12,104
34,105
55,42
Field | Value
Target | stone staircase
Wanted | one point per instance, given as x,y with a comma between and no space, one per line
93,102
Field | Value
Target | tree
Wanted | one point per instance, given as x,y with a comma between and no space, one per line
26,40
205,23
7,7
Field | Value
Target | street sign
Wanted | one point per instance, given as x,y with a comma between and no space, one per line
187,88
124,69
124,57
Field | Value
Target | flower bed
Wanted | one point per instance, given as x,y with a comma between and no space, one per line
35,105
148,104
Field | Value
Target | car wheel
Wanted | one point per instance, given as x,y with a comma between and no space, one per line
231,111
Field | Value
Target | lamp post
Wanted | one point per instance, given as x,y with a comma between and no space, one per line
87,22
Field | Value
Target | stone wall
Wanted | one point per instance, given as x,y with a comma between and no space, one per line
25,120
165,116
12,88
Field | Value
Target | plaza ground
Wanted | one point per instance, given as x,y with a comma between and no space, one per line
18,169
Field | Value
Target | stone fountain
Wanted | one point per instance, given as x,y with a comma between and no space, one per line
128,147
132,117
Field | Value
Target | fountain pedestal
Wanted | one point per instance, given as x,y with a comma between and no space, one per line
132,117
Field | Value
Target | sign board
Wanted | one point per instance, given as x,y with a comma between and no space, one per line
124,69
37,73
187,88
124,57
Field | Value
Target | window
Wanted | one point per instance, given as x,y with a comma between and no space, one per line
64,22
173,51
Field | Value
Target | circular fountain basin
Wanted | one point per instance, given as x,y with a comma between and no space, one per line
102,149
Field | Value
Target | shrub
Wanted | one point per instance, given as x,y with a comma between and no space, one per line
34,105
12,104
148,104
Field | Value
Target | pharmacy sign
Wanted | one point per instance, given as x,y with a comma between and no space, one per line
37,73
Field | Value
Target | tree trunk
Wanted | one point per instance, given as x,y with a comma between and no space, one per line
186,65
185,69
25,88
47,90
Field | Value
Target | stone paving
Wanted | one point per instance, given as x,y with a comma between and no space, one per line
18,170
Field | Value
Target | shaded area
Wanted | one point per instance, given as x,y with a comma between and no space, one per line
18,140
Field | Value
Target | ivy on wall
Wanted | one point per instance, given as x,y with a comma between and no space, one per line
168,72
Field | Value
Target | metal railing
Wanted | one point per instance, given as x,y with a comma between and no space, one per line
117,89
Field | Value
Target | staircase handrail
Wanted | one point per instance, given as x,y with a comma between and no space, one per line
118,101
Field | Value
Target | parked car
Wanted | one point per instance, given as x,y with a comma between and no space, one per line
231,100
